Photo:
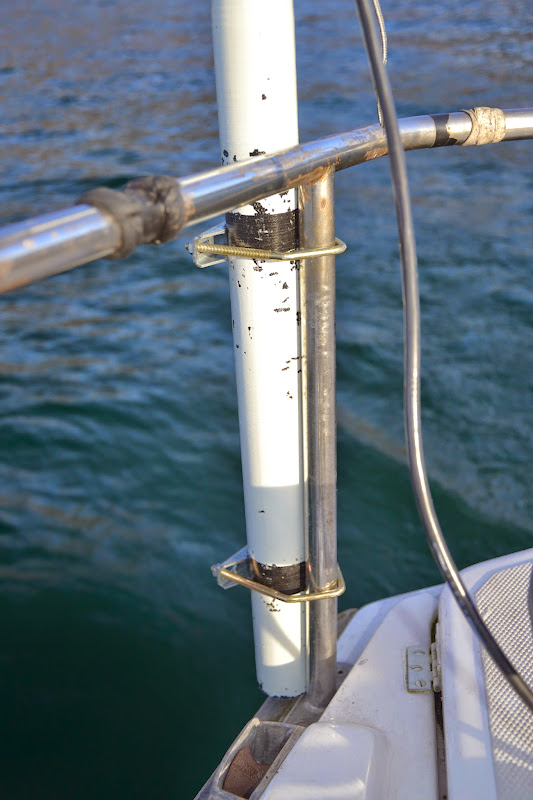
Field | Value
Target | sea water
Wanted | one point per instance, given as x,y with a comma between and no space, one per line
125,671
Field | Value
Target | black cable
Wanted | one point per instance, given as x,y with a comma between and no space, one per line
411,306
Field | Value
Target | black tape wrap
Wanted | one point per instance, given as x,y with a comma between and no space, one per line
289,579
148,210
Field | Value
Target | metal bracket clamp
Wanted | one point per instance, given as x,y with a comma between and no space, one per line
237,570
214,237
214,242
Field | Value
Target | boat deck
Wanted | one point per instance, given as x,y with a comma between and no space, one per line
409,721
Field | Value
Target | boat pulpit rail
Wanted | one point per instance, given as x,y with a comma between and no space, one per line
108,223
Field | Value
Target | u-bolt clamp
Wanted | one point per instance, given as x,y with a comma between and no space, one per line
206,247
237,570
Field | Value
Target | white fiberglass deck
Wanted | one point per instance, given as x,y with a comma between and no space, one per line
377,741
489,731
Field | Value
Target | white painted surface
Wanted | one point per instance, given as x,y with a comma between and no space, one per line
333,762
377,740
267,365
256,93
375,694
469,752
256,76
373,697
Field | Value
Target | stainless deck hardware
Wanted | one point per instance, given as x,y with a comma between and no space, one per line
423,668
237,570
214,243
418,669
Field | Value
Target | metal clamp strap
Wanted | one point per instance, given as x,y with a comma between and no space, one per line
211,248
230,573
269,255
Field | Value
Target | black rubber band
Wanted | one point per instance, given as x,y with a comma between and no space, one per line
148,210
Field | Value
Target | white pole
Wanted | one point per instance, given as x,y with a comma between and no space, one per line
257,102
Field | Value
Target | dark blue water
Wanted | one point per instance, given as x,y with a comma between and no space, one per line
124,671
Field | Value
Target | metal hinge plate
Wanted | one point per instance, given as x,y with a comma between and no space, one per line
423,667
418,669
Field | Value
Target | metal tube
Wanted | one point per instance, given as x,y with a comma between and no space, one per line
217,191
317,288
54,243
518,124
257,102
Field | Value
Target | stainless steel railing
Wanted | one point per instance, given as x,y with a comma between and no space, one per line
61,240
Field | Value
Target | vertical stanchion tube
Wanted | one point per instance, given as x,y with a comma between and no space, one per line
257,104
317,286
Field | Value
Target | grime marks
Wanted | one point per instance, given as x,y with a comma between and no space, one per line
277,310
226,158
286,197
263,97
257,152
288,363
375,152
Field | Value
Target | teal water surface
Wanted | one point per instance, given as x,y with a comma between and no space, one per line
124,671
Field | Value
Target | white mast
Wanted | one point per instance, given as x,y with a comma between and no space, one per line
257,105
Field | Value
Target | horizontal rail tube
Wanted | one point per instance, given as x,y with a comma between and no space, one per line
54,243
211,193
